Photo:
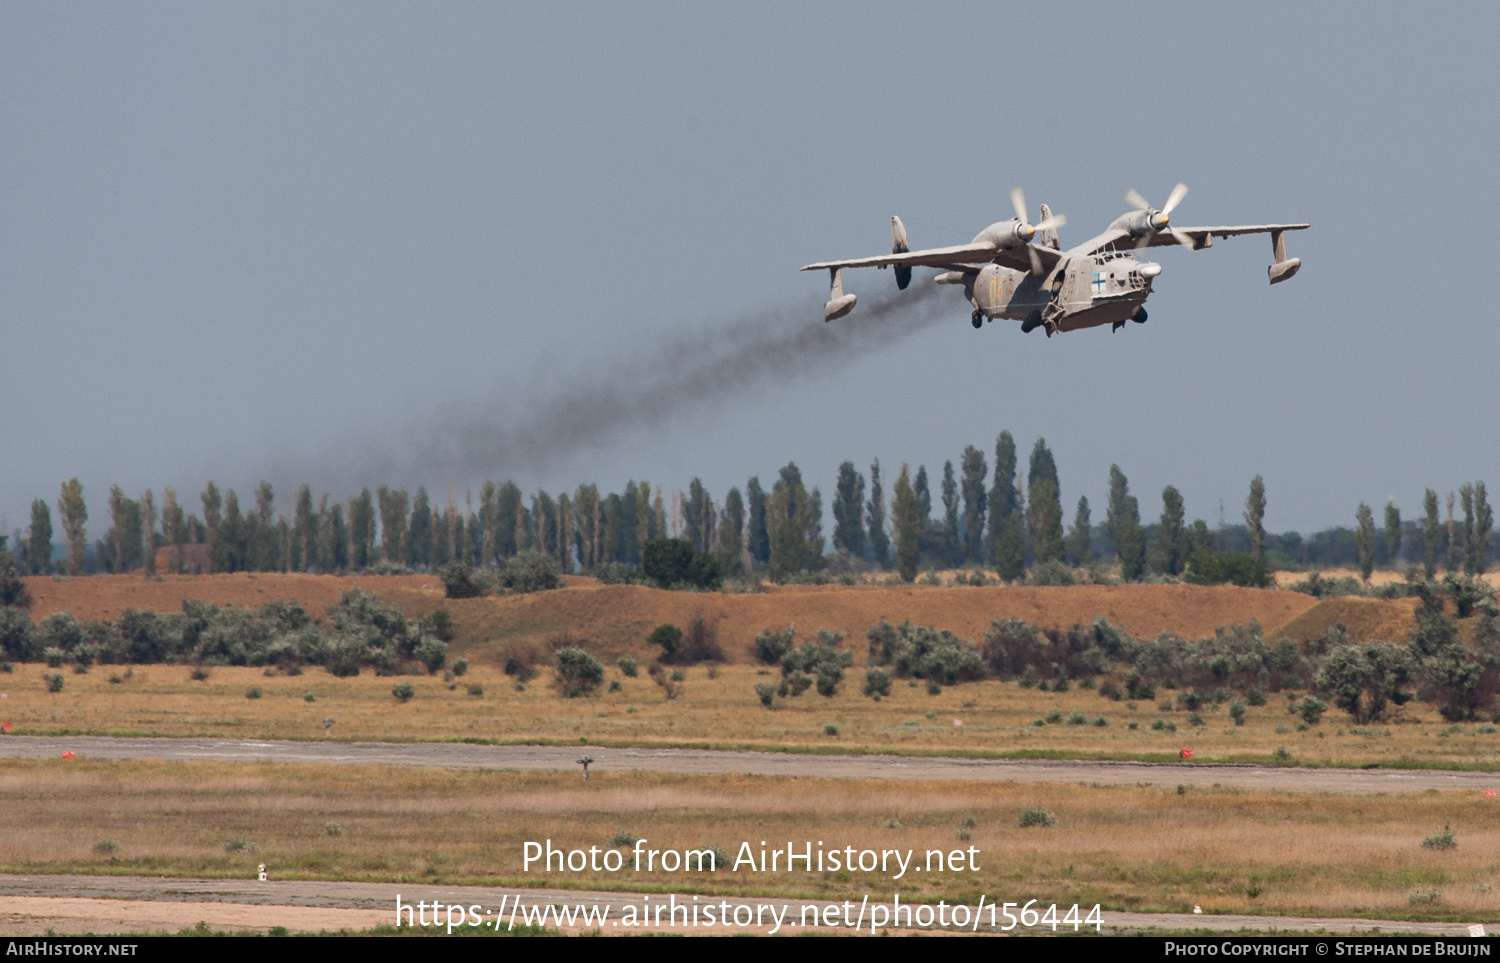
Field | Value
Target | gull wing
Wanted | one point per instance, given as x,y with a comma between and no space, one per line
1118,240
950,257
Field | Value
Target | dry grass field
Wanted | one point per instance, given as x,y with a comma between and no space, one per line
989,718
1149,848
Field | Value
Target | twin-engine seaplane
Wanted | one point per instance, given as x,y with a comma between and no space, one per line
1017,270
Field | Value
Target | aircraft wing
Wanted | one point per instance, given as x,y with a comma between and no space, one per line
1118,240
948,257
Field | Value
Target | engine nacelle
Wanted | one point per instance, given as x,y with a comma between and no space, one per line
839,303
899,246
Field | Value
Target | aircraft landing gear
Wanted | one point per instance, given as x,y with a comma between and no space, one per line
1116,326
977,319
1032,322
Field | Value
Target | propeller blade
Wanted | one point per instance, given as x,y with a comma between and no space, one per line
1051,223
1036,262
1145,240
1175,198
1018,201
1135,200
1186,240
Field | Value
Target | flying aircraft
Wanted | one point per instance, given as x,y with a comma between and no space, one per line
1018,270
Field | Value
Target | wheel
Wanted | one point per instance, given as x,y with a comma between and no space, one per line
976,319
1140,316
1032,322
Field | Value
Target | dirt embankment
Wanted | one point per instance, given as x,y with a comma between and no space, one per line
617,618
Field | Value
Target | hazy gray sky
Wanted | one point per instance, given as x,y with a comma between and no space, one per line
298,241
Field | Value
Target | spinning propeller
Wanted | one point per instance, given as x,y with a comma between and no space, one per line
1026,230
1158,222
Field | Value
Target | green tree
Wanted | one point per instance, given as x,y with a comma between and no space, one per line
148,532
1132,541
1484,524
789,521
1364,537
393,505
759,536
39,539
226,546
1044,505
974,470
951,541
1455,541
120,549
698,517
1114,512
1430,532
880,542
731,541
1466,540
419,531
849,511
304,532
361,530
1004,497
1255,517
263,555
337,539
908,531
174,527
1080,533
1170,553
924,496
212,505
1392,532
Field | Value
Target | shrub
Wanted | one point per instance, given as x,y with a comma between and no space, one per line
1054,716
1207,567
460,666
1052,573
700,643
1077,719
107,847
830,730
772,646
1194,719
823,658
459,581
622,839
672,563
1423,896
1237,712
797,682
618,573
252,693
521,664
199,673
240,846
1311,709
1442,840
1162,725
1036,817
766,692
54,681
403,691
627,666
53,657
914,651
669,637
877,682
332,828
476,690
19,638
530,571
578,673
1281,757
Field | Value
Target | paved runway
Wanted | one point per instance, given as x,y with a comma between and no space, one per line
709,762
